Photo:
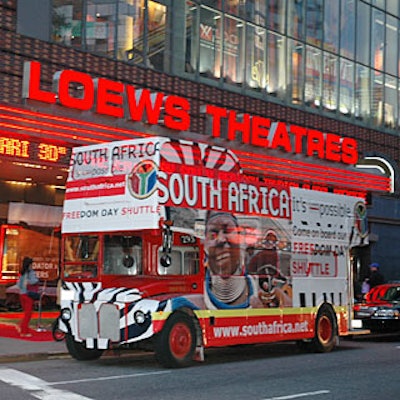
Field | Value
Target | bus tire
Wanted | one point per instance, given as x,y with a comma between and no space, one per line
325,330
78,350
176,343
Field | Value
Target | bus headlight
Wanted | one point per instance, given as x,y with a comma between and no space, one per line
140,317
66,314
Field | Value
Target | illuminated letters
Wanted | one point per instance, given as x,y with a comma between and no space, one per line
120,100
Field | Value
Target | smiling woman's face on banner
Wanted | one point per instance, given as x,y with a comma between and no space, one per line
222,244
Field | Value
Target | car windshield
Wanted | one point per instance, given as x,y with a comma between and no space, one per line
392,294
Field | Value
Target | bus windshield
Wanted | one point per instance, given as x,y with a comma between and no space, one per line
81,256
122,255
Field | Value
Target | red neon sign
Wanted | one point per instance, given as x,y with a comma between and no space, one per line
107,97
262,132
120,100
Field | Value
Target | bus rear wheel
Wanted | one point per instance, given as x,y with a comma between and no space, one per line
176,343
79,351
325,331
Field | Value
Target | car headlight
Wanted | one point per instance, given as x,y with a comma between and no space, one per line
387,313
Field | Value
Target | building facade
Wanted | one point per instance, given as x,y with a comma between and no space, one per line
324,66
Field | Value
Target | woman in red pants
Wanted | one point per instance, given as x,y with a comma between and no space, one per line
28,278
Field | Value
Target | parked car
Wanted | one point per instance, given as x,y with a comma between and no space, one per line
380,311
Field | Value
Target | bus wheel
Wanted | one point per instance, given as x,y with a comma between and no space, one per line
79,351
176,343
325,331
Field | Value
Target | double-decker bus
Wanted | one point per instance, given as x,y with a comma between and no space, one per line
168,245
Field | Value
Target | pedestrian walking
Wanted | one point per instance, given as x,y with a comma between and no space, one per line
28,284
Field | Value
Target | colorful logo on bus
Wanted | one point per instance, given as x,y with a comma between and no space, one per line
142,181
360,219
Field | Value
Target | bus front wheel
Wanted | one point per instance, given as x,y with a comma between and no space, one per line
176,343
79,351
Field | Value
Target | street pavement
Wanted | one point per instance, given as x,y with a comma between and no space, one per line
40,345
12,350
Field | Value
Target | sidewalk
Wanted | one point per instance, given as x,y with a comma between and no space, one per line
39,346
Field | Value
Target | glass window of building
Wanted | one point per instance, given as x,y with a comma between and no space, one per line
330,81
233,50
101,28
331,26
132,40
377,39
296,71
377,103
347,28
256,57
254,11
314,53
157,34
391,56
67,18
191,37
210,48
313,79
237,7
296,17
378,3
314,22
363,38
130,30
377,51
391,102
276,65
276,15
346,87
362,93
392,7
216,4
144,39
397,113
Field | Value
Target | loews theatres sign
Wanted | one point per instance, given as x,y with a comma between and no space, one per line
120,100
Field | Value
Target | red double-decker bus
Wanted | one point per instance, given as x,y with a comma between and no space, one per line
169,245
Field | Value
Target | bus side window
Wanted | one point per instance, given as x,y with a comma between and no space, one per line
191,262
176,264
183,262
